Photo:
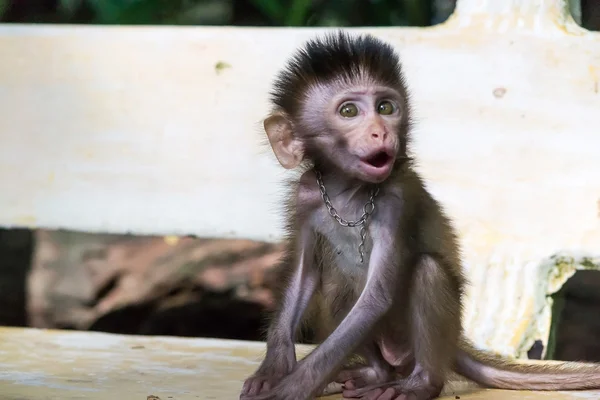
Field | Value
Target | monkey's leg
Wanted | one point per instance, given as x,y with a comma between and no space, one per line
311,375
435,312
281,353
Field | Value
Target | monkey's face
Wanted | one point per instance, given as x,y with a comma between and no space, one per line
356,128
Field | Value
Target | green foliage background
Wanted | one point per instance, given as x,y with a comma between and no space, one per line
230,12
253,12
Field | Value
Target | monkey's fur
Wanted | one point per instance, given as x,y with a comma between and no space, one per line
341,107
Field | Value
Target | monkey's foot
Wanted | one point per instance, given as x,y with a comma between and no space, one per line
396,390
298,385
272,371
259,383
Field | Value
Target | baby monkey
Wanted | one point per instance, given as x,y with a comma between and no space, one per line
372,264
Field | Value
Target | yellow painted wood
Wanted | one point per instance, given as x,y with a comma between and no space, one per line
60,365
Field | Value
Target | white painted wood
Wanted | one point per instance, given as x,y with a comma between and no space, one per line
135,129
55,365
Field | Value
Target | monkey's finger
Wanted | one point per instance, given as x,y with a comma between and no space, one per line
362,391
389,394
266,386
255,387
246,388
373,395
354,393
349,385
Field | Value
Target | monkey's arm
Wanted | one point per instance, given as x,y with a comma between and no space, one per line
297,295
281,356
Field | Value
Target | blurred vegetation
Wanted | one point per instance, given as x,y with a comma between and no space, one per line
253,12
230,12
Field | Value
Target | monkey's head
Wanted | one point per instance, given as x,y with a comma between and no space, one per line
341,103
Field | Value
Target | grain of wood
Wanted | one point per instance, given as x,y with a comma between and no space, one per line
58,365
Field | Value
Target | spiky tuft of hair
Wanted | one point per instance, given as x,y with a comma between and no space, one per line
336,56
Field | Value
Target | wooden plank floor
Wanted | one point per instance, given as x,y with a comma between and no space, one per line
43,365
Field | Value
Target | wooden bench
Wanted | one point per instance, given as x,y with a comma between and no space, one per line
156,130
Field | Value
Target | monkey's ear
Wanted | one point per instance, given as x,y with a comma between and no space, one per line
288,150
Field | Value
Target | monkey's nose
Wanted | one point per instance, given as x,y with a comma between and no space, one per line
378,134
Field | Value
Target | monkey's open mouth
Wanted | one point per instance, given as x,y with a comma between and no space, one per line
379,160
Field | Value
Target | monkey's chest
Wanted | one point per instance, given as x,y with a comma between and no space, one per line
344,245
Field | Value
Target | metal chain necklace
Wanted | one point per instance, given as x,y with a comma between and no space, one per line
368,210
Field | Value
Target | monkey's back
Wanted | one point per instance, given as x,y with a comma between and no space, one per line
434,231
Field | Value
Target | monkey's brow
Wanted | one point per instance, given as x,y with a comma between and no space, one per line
376,92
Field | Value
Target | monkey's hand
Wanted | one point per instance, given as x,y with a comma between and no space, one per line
272,370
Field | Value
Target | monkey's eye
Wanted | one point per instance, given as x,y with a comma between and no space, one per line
349,110
385,108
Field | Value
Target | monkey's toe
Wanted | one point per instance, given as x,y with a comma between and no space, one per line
390,391
389,394
375,394
255,385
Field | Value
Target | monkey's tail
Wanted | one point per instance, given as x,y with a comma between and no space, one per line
493,371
